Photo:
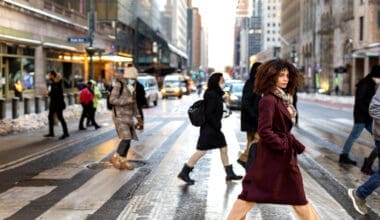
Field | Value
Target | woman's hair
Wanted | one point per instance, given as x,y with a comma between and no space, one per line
213,81
268,73
53,73
254,68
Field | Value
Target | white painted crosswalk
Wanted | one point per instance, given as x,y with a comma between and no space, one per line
160,195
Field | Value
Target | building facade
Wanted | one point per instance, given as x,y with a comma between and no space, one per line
38,36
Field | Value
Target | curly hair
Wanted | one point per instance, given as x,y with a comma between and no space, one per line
268,73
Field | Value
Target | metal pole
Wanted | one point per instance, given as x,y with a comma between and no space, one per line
91,37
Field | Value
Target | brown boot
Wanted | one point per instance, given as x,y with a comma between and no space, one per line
125,165
115,161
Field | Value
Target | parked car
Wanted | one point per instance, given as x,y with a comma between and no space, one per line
151,88
234,95
172,86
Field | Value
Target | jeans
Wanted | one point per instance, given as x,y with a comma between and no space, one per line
355,133
373,182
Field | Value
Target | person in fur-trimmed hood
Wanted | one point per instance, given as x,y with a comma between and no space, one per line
123,99
57,104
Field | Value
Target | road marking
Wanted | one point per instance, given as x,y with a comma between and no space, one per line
17,197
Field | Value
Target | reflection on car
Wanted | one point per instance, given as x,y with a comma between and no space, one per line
151,88
233,95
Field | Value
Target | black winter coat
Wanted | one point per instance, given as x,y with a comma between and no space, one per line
140,95
365,90
57,101
211,136
249,107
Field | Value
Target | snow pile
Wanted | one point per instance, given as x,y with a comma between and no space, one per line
36,121
327,98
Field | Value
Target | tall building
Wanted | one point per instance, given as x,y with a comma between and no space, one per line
310,41
194,39
271,24
255,29
175,28
38,36
363,49
241,58
290,30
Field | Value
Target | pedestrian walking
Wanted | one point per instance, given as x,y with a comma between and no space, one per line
360,194
123,99
365,89
57,104
210,135
18,89
249,115
141,102
87,100
94,89
274,176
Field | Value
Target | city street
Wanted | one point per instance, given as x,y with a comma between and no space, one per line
44,178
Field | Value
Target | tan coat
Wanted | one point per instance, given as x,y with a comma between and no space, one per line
123,111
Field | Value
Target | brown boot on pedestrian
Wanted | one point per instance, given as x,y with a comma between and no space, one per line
115,161
124,165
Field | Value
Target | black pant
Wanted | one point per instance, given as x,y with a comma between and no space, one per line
88,111
123,148
60,118
140,108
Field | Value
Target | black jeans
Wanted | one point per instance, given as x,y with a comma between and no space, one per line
123,148
60,118
88,111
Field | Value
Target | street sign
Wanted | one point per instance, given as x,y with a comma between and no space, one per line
77,39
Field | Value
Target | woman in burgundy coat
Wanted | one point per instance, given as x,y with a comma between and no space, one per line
274,176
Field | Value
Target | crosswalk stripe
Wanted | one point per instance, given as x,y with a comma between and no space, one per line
159,210
103,185
73,166
17,197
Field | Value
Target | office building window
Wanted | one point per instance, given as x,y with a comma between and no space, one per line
361,27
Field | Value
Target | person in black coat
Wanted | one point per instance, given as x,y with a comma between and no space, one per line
365,90
141,102
210,135
57,104
249,114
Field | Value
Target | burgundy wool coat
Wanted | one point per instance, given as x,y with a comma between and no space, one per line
274,176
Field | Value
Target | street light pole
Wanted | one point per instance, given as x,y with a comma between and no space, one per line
90,49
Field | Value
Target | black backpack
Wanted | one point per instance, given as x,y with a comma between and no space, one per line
197,113
109,105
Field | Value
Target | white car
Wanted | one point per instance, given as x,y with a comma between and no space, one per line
151,88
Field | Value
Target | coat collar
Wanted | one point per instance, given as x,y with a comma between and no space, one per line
282,108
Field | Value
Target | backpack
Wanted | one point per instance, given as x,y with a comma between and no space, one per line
197,113
109,105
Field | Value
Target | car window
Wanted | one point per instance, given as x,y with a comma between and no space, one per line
237,88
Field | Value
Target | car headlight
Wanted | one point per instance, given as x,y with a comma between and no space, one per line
163,90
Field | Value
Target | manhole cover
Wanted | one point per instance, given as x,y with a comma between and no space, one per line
99,165
105,165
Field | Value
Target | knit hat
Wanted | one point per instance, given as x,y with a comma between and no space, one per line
130,73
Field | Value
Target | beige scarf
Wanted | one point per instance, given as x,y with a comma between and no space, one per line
287,99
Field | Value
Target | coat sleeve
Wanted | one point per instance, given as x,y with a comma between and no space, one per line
116,99
212,106
298,146
374,106
361,97
268,137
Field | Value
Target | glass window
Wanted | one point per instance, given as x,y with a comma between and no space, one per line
28,51
361,27
12,49
28,76
14,67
